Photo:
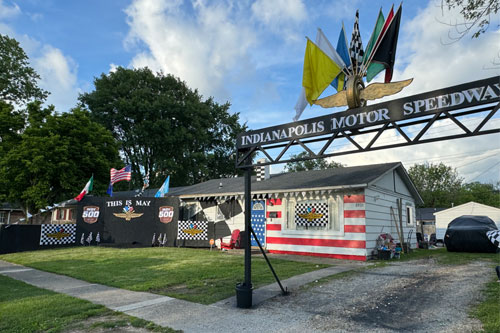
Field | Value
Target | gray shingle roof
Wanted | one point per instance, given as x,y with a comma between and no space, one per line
358,176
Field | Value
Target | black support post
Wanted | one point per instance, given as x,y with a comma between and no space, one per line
244,290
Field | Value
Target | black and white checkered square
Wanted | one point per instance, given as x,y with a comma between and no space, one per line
494,237
356,48
305,208
58,234
192,230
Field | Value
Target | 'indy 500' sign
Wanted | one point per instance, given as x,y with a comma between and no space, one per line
462,96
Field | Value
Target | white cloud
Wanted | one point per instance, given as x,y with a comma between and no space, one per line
280,16
203,48
58,76
8,12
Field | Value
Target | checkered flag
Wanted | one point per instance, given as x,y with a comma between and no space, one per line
57,234
193,230
303,209
356,48
494,237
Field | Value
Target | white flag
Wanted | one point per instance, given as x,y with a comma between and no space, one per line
159,240
98,238
89,238
300,105
82,240
164,239
154,239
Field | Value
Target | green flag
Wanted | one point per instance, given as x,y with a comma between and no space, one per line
374,69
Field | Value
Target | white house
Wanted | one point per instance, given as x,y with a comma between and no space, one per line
471,208
337,213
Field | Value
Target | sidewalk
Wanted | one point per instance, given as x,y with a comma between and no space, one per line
164,310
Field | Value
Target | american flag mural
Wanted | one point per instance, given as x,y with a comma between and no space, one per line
350,245
258,220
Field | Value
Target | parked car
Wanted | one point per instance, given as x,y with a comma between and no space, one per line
467,233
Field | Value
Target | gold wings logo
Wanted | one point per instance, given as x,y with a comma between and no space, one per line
59,234
356,94
311,214
128,213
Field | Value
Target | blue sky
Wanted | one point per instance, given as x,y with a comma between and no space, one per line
250,53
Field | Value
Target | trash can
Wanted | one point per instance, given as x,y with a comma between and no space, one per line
243,296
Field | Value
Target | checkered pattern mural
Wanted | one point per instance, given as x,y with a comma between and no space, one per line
258,221
58,234
494,237
192,230
311,214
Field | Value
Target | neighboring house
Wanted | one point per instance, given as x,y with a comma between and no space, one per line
337,213
471,208
10,213
426,221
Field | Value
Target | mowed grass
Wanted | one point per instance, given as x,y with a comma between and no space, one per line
25,308
196,275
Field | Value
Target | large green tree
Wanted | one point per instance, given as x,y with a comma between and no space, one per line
54,157
18,81
314,164
164,127
486,194
438,184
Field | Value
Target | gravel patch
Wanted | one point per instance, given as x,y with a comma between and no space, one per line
416,296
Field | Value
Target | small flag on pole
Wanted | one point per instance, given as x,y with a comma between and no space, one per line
82,240
163,189
356,49
89,238
154,239
86,189
159,240
98,238
122,174
164,239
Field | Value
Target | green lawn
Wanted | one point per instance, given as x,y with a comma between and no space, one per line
196,275
24,308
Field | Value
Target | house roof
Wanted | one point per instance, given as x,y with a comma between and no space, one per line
427,214
469,205
327,179
9,206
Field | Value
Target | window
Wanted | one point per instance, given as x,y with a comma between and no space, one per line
409,214
189,211
3,219
314,214
60,214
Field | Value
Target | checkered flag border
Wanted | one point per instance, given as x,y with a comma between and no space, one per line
356,48
185,225
48,229
494,237
321,207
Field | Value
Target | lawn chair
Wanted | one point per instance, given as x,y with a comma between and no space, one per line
234,242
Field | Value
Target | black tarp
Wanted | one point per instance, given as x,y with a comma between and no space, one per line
20,237
467,233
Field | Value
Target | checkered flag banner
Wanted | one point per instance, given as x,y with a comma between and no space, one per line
356,48
494,237
58,234
193,230
311,214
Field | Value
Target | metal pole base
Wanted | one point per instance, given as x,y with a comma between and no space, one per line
243,296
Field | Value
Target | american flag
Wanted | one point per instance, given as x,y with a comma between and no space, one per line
122,174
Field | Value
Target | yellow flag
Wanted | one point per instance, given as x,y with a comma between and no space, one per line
341,82
319,71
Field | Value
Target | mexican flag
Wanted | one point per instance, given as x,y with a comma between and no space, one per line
86,189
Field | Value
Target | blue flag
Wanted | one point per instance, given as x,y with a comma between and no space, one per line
110,190
163,189
343,51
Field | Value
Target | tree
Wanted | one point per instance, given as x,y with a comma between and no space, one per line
486,194
164,127
476,13
438,184
18,81
54,157
314,164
